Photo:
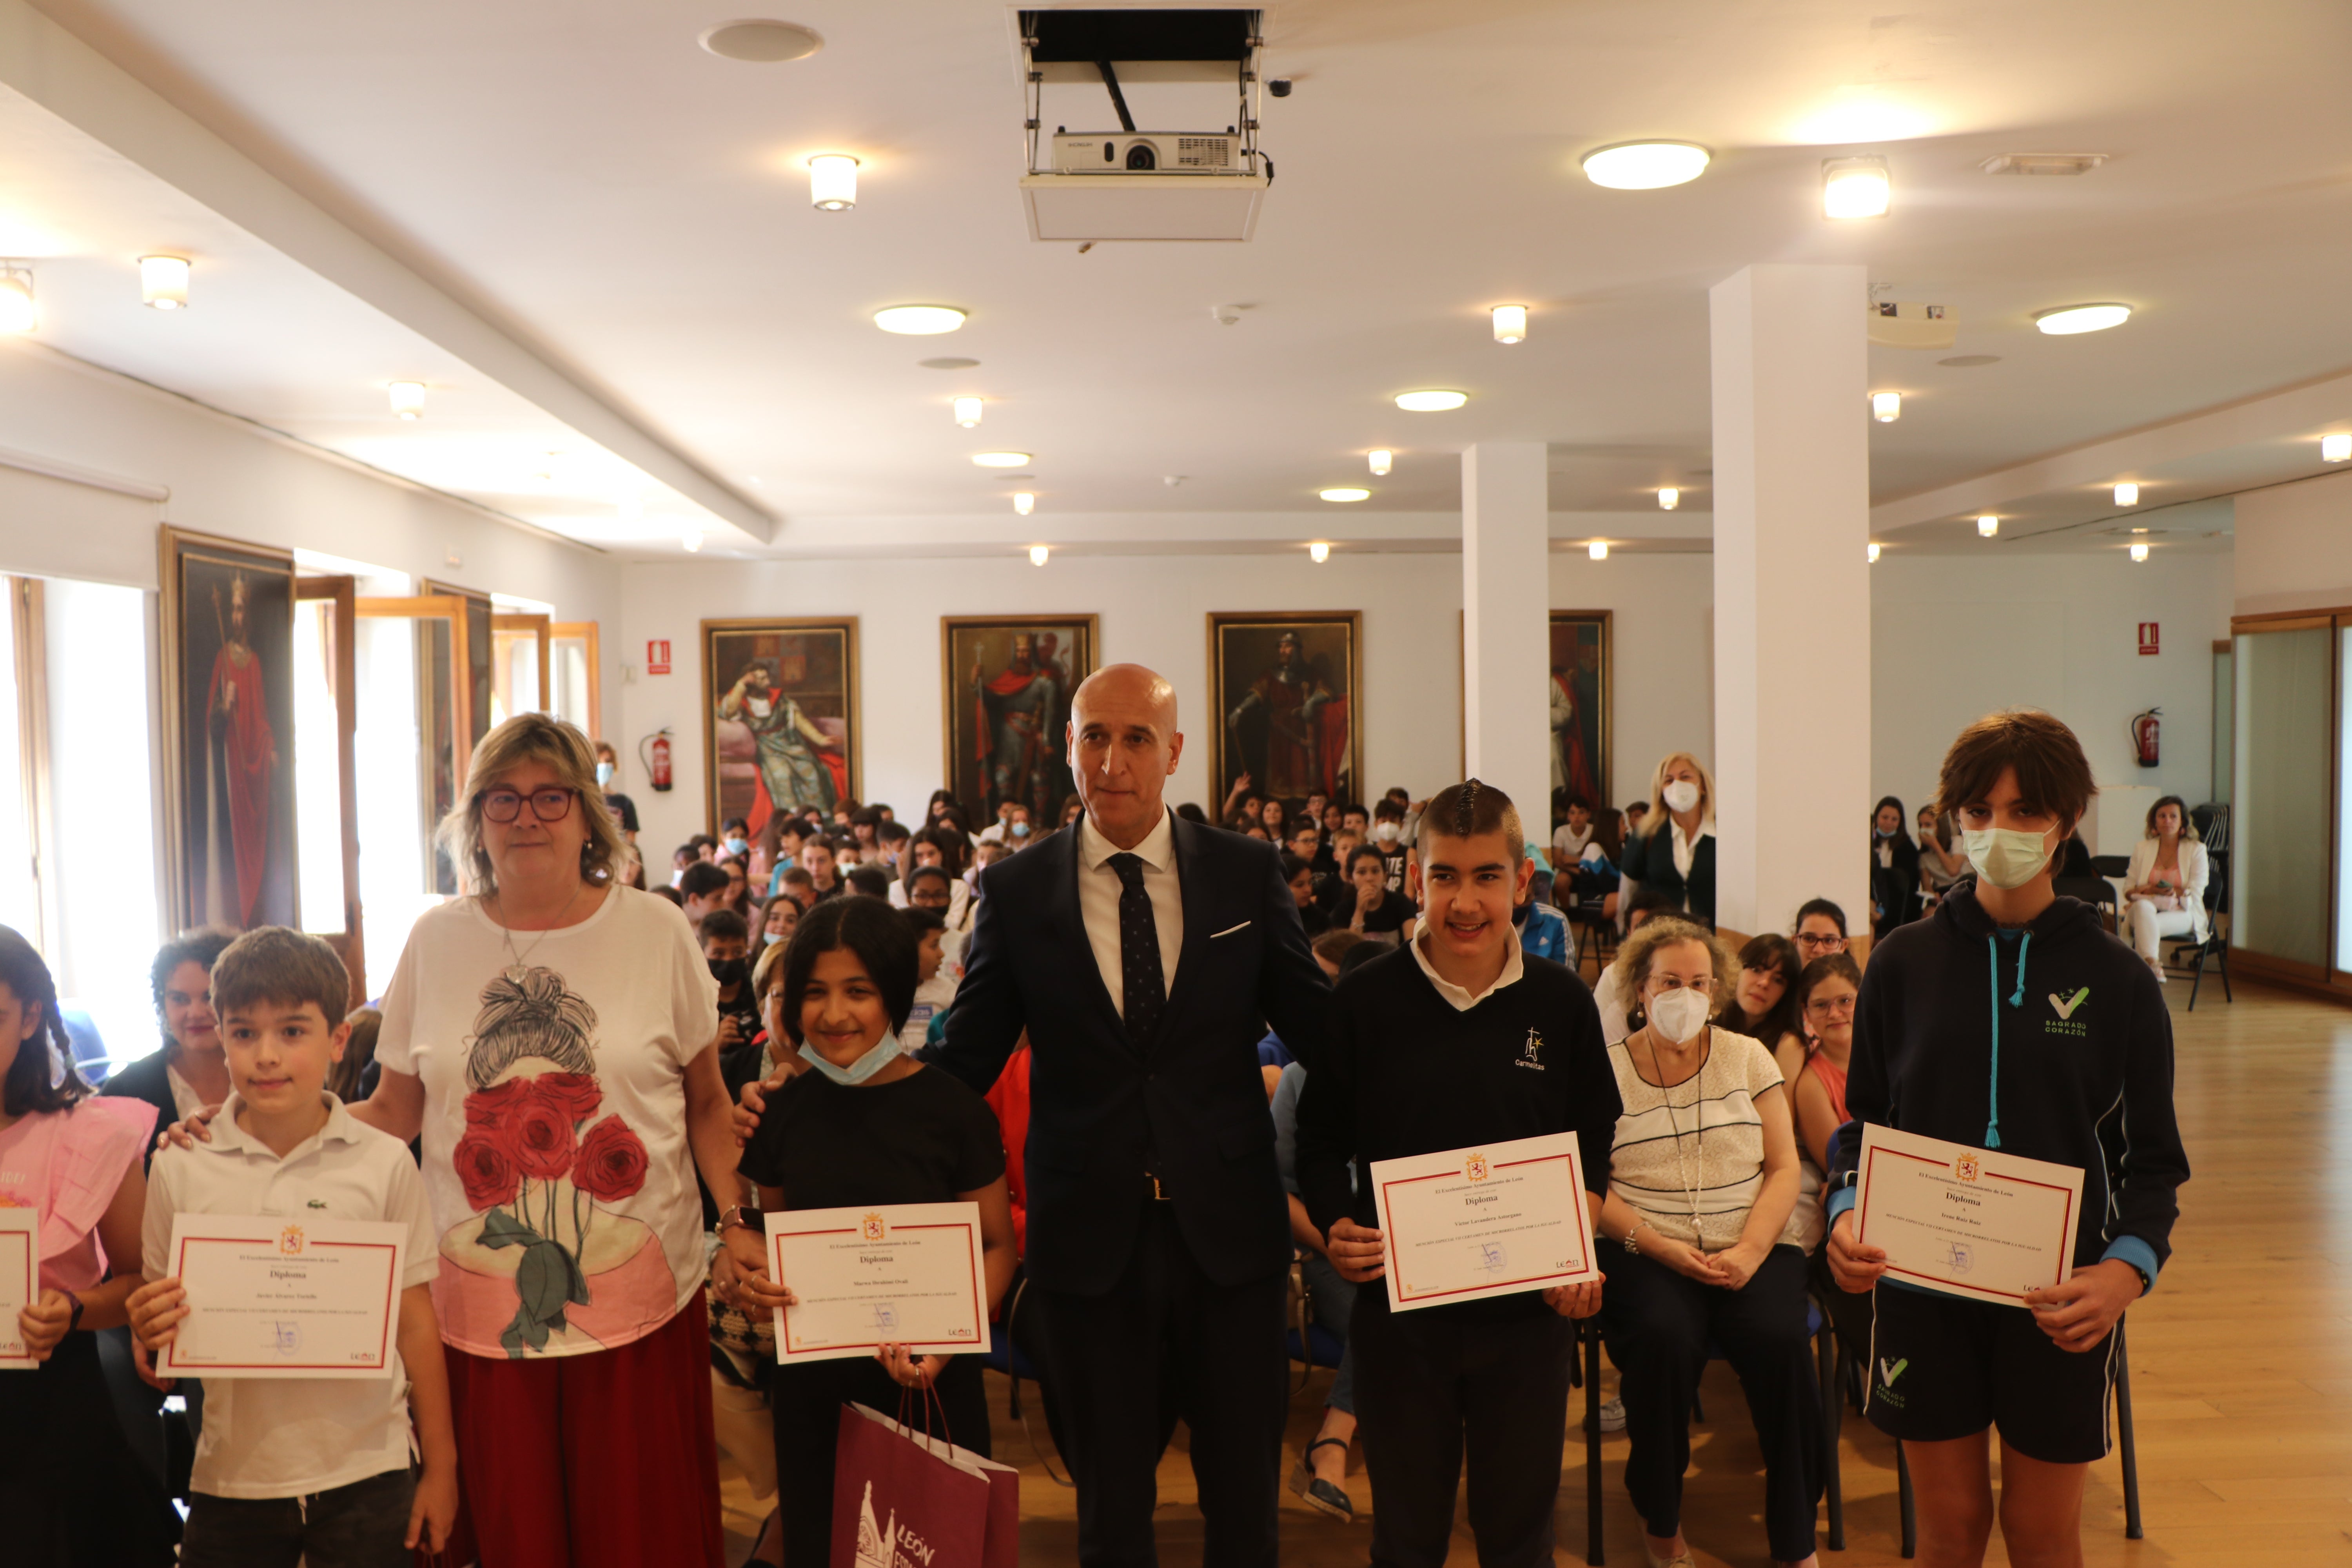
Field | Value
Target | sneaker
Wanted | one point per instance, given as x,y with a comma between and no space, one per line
1613,1415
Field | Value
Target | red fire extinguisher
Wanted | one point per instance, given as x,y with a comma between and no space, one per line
654,751
2143,733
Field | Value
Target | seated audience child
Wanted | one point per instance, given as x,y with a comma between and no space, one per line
893,837
1543,929
934,983
1378,913
796,882
1941,861
71,1491
1709,1249
782,913
1335,893
355,1075
706,888
623,809
1820,930
734,839
2090,1085
1570,840
868,1126
315,1470
1763,1003
869,882
817,858
1300,874
726,943
738,887
1488,1378
680,859
1825,994
1387,838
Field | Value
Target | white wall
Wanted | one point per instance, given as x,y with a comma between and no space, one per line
1154,611
1954,637
2294,546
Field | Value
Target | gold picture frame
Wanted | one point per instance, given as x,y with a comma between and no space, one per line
762,741
1027,702
1251,732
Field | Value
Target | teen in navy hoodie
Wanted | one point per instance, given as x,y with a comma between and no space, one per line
2012,1020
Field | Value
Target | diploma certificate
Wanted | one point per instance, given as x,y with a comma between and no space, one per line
1966,1221
274,1297
20,1282
1489,1221
901,1274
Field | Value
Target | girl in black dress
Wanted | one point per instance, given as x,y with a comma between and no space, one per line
867,1127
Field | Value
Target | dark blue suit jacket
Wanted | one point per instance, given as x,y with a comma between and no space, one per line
1193,1092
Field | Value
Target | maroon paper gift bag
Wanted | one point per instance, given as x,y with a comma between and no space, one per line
903,1499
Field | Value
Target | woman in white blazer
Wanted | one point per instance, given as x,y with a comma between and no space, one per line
2164,893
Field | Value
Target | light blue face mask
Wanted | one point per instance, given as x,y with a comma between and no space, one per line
737,846
603,774
883,1052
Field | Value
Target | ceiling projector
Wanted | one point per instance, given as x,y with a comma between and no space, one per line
1142,184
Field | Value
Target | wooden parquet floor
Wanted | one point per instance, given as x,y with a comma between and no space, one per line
2241,1362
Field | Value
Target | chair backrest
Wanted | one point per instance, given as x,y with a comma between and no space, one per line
2212,821
2111,865
2090,889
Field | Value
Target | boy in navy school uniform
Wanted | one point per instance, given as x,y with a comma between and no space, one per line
1457,1038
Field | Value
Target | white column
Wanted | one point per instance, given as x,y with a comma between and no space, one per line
1505,625
1791,593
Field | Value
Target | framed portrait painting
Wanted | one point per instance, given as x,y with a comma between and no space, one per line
779,717
1287,687
1005,682
228,655
1580,711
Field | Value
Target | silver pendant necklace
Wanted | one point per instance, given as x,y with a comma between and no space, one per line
520,958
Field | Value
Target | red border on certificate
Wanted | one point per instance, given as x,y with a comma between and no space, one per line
174,1367
2065,1251
24,1240
1496,1286
972,1261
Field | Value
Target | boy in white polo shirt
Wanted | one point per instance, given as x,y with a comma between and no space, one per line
294,1469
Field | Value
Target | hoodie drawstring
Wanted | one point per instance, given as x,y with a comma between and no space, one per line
2016,999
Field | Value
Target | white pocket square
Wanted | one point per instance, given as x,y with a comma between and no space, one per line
1230,930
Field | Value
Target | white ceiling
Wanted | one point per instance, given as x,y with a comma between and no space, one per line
637,205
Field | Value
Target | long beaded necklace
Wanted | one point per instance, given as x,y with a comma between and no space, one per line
1683,1173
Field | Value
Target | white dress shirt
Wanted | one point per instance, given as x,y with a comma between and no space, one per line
1098,890
1460,997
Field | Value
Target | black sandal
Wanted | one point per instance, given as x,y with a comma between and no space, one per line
1320,1494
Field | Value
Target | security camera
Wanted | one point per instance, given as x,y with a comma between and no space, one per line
1279,86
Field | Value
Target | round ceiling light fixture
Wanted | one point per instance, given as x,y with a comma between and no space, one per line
919,321
2140,552
833,182
1038,554
1510,323
1382,460
1988,525
1645,166
1669,498
1886,407
1854,187
407,398
18,313
759,42
1023,503
163,282
1319,552
2127,494
1001,459
1345,493
967,411
1597,550
2066,321
1431,401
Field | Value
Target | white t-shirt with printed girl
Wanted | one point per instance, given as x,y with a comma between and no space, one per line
556,1153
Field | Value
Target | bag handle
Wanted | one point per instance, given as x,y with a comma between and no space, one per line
930,1402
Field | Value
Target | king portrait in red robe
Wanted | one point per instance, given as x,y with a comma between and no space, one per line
244,754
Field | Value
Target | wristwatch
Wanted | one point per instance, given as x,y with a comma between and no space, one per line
742,1215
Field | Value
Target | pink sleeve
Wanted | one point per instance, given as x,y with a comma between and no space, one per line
101,1139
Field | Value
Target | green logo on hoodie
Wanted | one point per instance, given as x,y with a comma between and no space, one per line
2066,1023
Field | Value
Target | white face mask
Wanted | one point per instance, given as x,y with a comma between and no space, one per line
1680,795
2006,857
1679,1014
1387,832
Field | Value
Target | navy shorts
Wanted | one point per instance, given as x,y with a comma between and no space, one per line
1945,1367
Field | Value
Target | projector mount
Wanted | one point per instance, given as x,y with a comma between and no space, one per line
1174,46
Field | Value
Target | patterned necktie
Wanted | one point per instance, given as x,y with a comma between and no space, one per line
1139,952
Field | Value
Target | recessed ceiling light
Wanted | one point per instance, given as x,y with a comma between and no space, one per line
1345,493
2333,449
1319,552
1382,460
691,541
1854,187
1000,460
833,182
1023,503
1430,402
2064,321
967,411
1644,165
17,313
1988,525
2140,552
1669,498
163,282
2127,494
1510,323
919,321
760,42
1038,554
1597,550
407,398
1874,552
948,362
1969,362
1886,407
